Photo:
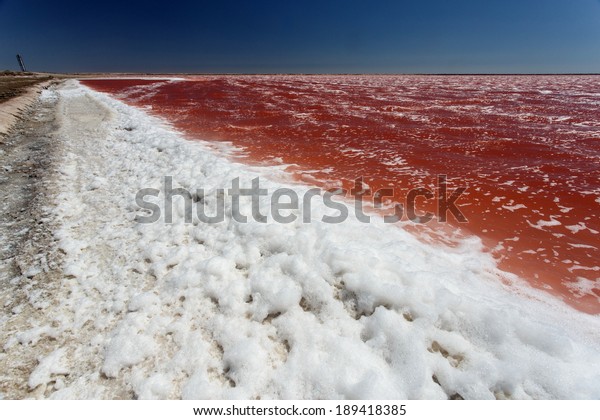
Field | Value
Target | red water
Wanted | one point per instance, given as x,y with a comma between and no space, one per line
526,147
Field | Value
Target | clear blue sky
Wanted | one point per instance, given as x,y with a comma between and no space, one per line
347,36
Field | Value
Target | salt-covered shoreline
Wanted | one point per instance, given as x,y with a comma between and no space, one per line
233,310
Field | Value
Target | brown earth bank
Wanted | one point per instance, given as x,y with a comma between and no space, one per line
14,84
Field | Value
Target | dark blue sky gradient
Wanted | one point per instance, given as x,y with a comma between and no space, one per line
303,36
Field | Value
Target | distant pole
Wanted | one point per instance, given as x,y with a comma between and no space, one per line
21,63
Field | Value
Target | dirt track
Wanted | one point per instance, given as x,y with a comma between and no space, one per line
26,155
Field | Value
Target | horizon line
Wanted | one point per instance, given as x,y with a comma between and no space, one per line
303,73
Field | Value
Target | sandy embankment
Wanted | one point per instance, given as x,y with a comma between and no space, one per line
11,110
